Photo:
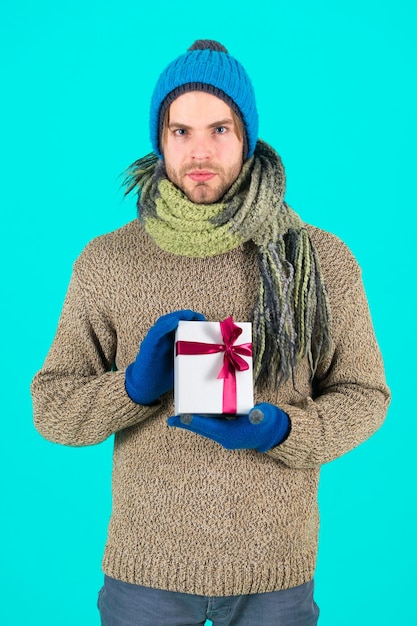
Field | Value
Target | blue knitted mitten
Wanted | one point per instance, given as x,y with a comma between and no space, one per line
263,428
152,373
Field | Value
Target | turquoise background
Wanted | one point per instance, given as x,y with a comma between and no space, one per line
336,92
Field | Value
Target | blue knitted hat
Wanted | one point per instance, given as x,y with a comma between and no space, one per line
206,66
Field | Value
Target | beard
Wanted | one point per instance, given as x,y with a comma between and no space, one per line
204,192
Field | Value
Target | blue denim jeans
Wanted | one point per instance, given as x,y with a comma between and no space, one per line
124,604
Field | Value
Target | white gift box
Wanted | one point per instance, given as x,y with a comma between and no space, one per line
197,388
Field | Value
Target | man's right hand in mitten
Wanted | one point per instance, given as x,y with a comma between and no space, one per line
152,373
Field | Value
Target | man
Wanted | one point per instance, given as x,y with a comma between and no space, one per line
212,518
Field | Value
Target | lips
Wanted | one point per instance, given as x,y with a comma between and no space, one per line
201,176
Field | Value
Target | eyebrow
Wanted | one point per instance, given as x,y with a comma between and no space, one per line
228,121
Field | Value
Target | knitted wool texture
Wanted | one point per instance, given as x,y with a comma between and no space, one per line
188,515
291,317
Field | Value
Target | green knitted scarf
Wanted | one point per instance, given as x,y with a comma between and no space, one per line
291,317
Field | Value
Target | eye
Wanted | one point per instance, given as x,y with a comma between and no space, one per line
179,132
220,130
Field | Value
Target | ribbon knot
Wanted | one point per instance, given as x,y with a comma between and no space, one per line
232,360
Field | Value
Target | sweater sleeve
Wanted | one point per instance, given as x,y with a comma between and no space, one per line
350,397
77,397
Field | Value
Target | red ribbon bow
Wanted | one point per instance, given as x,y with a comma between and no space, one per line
231,360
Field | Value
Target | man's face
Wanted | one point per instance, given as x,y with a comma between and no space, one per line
202,151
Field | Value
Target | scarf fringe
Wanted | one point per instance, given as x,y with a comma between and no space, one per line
291,318
139,173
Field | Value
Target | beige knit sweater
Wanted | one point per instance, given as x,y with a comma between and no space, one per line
188,515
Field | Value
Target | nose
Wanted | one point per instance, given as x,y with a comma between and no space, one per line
200,148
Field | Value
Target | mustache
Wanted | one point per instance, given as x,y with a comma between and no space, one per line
195,167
